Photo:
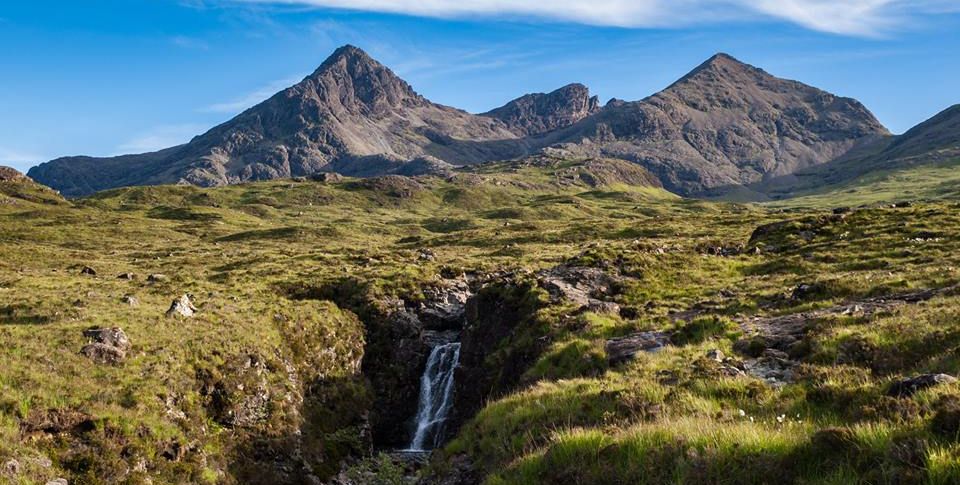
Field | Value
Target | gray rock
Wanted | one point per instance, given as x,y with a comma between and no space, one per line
910,386
182,307
58,481
623,349
126,276
157,278
88,271
103,353
579,285
715,354
113,337
130,300
327,177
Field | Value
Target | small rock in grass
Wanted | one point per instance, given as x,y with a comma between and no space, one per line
58,481
182,307
103,353
113,337
130,300
715,354
156,278
912,385
88,271
126,276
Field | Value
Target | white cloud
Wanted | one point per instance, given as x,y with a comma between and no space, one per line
846,17
247,100
161,137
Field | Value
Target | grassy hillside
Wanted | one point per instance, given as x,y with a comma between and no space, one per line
260,374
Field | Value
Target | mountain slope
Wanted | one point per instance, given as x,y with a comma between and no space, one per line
932,145
727,124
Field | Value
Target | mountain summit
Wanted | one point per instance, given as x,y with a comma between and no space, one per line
725,124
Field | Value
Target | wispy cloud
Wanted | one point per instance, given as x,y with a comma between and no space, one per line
245,101
866,18
161,137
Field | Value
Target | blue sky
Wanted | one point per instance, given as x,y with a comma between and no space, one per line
108,77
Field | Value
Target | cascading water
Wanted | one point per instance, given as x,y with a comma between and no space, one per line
436,396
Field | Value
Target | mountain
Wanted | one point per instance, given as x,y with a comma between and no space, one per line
725,124
535,114
352,115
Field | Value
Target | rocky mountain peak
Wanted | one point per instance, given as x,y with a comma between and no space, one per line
538,113
353,79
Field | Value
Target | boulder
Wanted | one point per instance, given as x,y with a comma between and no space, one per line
623,349
715,354
327,177
114,337
103,353
910,386
579,285
182,307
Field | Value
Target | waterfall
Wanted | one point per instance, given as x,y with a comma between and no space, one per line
436,396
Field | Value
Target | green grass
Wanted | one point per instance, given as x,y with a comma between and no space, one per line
261,260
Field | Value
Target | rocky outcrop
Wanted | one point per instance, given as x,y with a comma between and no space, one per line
502,338
623,349
585,287
535,114
107,345
8,174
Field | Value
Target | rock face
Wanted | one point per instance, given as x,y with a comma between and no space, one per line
535,114
724,124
